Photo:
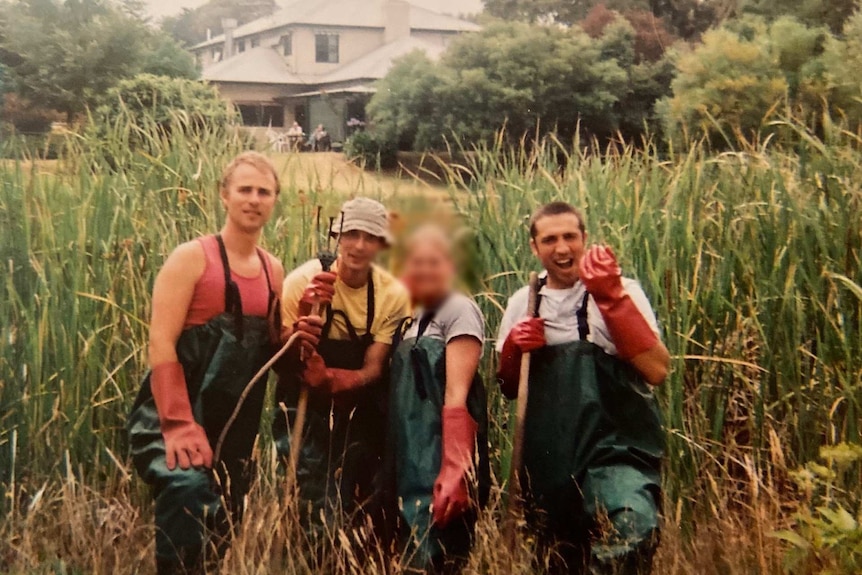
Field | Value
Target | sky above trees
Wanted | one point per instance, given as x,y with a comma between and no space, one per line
160,8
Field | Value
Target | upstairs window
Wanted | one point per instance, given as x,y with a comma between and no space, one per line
326,48
255,42
240,46
216,54
286,43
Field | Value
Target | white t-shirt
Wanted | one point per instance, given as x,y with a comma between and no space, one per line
558,308
459,315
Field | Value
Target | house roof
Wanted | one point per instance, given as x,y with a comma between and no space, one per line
260,65
342,13
376,64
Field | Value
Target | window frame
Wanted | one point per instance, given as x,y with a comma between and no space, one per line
333,47
286,43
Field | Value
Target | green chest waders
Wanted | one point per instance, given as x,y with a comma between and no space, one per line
593,444
219,358
340,464
417,394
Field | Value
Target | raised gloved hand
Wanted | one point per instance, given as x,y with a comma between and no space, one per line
451,490
601,275
526,336
186,442
320,290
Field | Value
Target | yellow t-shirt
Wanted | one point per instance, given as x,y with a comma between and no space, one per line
391,302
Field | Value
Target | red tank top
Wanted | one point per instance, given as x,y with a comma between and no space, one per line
209,298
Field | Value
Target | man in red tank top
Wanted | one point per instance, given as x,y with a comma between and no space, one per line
214,313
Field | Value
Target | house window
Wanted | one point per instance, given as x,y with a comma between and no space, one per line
216,54
240,46
261,115
287,44
326,48
255,42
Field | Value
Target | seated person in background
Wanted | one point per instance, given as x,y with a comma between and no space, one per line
438,430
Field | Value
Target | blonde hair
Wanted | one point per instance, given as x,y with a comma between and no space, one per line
249,158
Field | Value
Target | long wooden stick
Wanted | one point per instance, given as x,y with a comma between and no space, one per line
517,461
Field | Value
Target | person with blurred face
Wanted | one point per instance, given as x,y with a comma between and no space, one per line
438,411
346,352
593,439
214,324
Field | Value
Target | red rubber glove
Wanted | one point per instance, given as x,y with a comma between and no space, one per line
320,290
309,330
186,442
527,336
602,277
451,492
315,374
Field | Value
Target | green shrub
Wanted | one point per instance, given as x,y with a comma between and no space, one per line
371,150
827,537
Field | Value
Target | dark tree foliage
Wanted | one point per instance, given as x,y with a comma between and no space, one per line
64,56
190,26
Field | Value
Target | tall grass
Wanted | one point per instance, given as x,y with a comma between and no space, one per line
751,259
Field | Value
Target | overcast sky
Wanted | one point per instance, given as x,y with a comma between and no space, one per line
160,8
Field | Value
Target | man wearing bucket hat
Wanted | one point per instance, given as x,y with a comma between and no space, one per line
340,461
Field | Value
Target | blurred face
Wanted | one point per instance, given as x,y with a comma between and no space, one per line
358,250
429,273
249,198
559,244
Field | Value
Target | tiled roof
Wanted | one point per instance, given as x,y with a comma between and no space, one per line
348,13
376,64
259,65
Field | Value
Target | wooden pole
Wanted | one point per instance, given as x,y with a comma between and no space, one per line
517,461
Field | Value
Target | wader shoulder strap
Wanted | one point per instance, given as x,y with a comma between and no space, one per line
366,338
273,309
404,325
543,281
581,314
232,299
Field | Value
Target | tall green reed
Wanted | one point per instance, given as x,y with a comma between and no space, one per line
751,260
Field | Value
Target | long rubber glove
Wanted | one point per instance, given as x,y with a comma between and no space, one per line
186,442
451,489
526,336
320,290
602,277
329,380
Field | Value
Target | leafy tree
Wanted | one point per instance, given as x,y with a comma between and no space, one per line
190,26
165,57
166,102
748,72
687,18
65,56
521,76
842,61
830,13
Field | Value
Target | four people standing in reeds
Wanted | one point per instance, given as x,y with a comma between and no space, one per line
395,441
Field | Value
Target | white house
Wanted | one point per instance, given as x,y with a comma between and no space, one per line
317,61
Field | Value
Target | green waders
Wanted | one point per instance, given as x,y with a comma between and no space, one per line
593,446
339,470
417,395
219,358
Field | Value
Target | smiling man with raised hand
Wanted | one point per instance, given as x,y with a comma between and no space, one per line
340,463
593,439
214,324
